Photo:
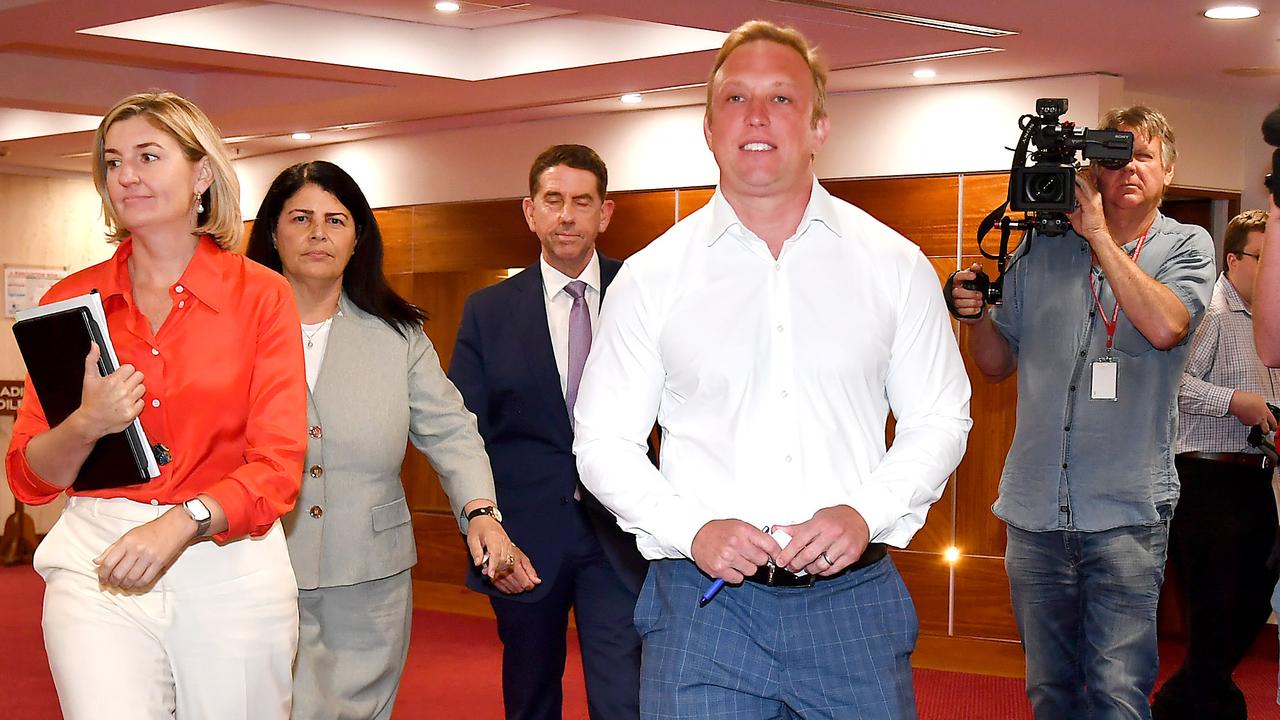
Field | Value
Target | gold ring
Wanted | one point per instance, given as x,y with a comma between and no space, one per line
511,559
824,557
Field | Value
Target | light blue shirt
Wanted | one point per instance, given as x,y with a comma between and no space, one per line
1078,463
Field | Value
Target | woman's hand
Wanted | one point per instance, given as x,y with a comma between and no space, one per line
108,404
507,567
135,561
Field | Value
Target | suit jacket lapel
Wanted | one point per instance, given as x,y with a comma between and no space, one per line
341,353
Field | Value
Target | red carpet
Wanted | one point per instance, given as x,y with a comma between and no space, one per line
454,671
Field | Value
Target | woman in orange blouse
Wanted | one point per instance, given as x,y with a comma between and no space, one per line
175,595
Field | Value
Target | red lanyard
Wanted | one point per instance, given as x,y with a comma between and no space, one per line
1115,313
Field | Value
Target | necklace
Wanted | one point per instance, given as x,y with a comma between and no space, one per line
310,336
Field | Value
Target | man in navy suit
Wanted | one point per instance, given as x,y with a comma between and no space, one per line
518,360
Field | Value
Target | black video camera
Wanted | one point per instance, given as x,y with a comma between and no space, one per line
1259,440
1045,191
1049,185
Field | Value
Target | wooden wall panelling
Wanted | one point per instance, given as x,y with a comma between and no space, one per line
396,226
982,606
922,208
442,550
928,579
691,200
978,530
449,237
983,193
638,218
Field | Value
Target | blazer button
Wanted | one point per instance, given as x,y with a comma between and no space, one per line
316,471
316,511
315,432
564,501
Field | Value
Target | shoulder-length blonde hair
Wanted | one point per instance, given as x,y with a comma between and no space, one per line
198,139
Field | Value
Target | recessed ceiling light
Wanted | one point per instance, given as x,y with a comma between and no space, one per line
631,98
924,74
447,6
301,136
1231,12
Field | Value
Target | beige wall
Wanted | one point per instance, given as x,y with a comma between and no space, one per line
44,222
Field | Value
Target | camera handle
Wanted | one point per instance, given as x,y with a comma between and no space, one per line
992,290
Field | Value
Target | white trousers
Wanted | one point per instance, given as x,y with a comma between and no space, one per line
213,639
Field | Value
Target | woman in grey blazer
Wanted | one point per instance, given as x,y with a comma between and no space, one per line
374,381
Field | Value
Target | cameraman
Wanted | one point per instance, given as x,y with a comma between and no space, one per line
1096,323
1225,526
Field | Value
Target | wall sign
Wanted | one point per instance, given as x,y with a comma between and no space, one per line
24,286
10,397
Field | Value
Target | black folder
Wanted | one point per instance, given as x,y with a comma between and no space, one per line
54,347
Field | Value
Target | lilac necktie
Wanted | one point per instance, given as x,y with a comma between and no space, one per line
579,341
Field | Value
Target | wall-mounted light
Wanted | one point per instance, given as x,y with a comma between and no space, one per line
631,98
447,6
924,74
301,136
951,554
1231,12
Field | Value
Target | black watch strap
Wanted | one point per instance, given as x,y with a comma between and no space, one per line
489,510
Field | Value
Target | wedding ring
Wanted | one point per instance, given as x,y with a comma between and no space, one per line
824,557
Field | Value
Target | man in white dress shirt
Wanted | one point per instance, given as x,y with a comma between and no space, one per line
770,334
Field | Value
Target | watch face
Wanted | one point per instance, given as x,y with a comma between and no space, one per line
197,510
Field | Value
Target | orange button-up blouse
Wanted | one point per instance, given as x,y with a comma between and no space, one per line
225,387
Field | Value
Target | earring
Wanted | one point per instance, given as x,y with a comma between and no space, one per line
273,241
199,203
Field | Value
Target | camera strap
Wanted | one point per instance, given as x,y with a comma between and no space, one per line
1110,325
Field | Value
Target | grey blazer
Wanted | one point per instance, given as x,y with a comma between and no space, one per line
375,389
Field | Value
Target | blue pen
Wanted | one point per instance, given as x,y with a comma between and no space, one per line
717,586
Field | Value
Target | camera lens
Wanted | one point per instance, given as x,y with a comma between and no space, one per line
1043,188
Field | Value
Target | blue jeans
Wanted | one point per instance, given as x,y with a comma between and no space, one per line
1085,604
1275,605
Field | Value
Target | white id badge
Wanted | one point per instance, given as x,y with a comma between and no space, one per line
1104,380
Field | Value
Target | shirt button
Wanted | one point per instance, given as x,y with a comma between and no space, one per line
1082,353
315,431
1064,508
316,471
779,328
785,394
1066,428
1073,388
182,303
155,403
1064,466
155,501
316,511
177,288
788,458
777,267
155,351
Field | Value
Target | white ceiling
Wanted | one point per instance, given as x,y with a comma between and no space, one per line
264,70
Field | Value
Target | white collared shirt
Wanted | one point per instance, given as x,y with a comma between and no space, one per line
559,303
772,379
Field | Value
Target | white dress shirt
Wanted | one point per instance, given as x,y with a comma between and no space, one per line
559,303
772,379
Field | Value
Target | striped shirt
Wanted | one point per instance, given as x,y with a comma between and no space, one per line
1223,360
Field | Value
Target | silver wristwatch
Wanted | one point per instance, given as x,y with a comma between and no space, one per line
199,512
